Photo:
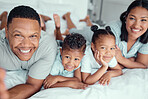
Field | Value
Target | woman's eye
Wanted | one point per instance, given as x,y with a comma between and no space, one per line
143,20
131,18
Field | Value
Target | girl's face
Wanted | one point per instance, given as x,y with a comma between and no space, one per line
137,22
106,46
71,58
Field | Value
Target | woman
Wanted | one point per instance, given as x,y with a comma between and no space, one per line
132,35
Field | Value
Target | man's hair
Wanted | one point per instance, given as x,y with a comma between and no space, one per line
23,12
124,33
98,32
74,41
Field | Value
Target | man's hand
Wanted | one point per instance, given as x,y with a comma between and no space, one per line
49,81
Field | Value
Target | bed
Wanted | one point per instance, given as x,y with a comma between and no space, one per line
133,84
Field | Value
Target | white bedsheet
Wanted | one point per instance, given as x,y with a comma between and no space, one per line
133,84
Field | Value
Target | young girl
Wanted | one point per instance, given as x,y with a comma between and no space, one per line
131,34
100,56
66,68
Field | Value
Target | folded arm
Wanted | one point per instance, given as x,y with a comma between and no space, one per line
24,91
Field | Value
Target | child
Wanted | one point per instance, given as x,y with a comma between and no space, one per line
3,19
66,69
86,31
100,56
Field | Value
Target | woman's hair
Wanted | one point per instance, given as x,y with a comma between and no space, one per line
74,41
124,33
23,12
98,32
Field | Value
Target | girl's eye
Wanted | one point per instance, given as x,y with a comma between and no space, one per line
103,48
112,48
76,59
67,56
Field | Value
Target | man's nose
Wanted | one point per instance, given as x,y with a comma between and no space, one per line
26,42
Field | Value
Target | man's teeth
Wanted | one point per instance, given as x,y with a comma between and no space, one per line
135,30
25,51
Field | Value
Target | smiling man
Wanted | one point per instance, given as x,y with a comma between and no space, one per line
24,47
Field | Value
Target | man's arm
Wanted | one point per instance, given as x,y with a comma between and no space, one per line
24,91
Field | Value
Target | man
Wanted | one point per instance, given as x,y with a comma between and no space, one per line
23,46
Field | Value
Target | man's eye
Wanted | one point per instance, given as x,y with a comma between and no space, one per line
33,36
17,35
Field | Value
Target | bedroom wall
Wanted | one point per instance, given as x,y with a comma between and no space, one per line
111,9
77,7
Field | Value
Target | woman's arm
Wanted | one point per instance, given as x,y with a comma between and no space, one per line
141,60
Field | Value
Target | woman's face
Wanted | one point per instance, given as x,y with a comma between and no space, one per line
137,22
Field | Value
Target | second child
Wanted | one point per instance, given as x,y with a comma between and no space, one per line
66,70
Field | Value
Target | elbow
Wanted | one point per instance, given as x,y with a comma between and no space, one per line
86,81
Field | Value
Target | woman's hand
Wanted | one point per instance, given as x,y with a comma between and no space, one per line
118,54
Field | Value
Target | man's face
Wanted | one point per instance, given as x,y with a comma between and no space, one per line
23,35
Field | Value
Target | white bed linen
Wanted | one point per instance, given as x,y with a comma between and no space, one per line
133,84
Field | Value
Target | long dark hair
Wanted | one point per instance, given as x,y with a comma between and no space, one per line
124,33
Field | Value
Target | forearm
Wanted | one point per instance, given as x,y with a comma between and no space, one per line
22,91
62,78
131,64
96,76
115,72
62,84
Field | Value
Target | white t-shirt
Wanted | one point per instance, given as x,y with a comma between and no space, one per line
89,63
137,47
58,68
41,61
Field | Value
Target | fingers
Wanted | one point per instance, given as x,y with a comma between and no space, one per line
117,47
46,85
103,81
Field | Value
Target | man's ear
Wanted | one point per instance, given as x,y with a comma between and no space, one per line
93,47
6,32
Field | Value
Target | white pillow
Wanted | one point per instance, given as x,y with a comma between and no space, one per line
7,5
49,8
